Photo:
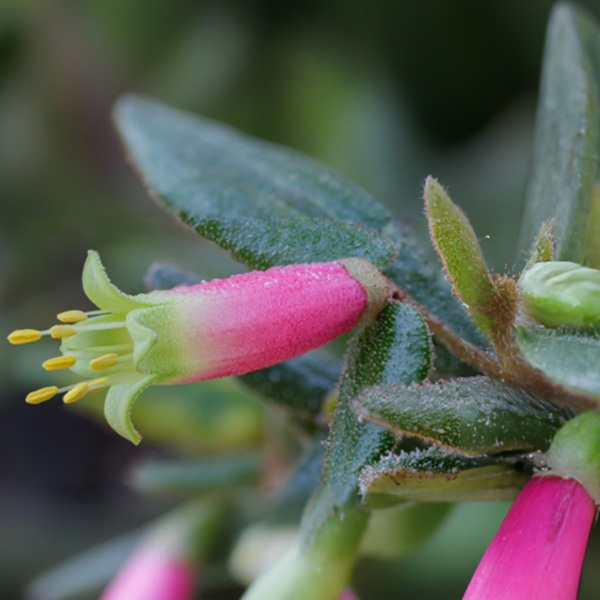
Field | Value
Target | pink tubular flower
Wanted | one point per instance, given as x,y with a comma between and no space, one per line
348,594
539,548
212,329
150,576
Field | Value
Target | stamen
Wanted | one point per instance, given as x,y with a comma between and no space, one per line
99,326
24,336
97,385
62,331
71,316
41,395
60,362
104,362
76,393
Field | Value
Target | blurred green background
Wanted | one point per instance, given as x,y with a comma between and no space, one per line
385,92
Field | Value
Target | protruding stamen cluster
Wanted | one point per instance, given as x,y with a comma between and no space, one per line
83,357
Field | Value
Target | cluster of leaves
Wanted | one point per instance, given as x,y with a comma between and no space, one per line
394,437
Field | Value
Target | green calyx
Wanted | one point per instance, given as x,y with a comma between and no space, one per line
561,294
575,453
127,345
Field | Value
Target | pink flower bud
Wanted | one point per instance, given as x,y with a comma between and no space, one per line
194,333
538,551
148,575
348,594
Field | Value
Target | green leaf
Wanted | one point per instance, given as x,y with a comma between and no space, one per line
459,250
544,246
591,255
394,349
262,243
437,475
568,359
566,140
299,385
473,415
424,282
195,476
204,170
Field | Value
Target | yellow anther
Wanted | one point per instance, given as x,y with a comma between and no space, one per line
97,382
41,395
62,331
76,393
71,316
60,362
106,361
24,336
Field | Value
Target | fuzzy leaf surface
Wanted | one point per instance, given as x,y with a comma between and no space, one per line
263,243
568,359
394,349
213,178
460,252
565,156
473,415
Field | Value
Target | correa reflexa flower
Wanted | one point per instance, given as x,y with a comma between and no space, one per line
165,564
149,575
538,551
198,332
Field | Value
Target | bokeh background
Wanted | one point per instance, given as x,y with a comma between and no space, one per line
385,92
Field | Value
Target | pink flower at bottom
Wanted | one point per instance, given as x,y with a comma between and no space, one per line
538,550
150,576
348,594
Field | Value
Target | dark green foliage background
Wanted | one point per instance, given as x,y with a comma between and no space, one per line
386,93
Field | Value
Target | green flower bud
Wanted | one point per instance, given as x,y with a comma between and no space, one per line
561,294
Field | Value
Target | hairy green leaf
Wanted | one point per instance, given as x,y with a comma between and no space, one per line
474,415
394,349
202,169
459,250
566,141
423,280
262,243
566,358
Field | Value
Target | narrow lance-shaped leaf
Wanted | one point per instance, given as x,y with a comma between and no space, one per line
394,349
204,169
265,204
544,246
568,359
473,415
591,254
423,280
566,139
437,475
263,243
459,250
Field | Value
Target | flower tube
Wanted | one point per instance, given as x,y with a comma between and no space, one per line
538,551
165,564
198,332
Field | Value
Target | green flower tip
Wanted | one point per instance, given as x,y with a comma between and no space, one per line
575,453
